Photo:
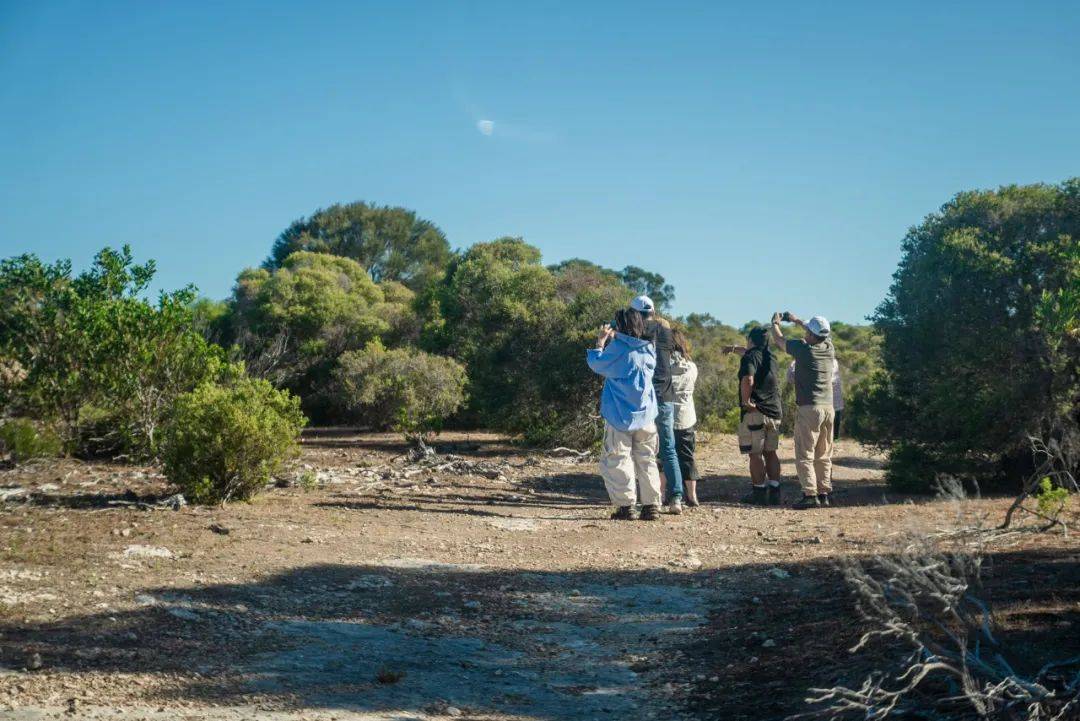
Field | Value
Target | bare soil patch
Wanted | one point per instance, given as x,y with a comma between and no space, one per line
491,588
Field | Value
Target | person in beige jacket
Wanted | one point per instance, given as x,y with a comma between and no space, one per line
684,373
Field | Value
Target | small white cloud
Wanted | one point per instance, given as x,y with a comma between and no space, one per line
486,127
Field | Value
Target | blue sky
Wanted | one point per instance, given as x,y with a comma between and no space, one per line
759,158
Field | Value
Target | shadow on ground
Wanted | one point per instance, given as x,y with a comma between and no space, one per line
409,634
415,635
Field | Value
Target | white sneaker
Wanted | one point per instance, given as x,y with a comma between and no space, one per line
675,507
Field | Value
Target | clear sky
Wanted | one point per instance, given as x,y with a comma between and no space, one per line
759,158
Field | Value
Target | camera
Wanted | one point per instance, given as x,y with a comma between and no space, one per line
786,316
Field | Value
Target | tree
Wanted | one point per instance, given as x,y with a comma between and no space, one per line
405,389
521,331
389,243
91,347
979,348
292,323
643,282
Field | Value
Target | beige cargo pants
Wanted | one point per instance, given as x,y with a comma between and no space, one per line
813,448
628,465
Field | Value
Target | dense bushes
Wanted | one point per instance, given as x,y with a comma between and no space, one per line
223,442
404,389
980,345
22,440
291,324
521,329
76,349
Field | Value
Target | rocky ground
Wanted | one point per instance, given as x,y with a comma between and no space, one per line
485,584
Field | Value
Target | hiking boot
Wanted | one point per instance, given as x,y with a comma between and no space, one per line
772,495
758,496
623,513
650,512
825,499
675,507
806,502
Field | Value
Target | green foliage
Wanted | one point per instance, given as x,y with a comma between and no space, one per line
93,340
224,442
23,440
291,324
1051,499
643,282
980,347
404,389
521,330
717,393
388,243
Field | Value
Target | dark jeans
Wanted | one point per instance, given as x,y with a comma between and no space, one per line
685,444
837,417
669,459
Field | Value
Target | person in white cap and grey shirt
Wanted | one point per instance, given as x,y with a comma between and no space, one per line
659,333
814,417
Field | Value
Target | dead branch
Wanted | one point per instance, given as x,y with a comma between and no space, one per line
923,598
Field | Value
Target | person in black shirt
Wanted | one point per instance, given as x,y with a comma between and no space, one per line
659,332
760,413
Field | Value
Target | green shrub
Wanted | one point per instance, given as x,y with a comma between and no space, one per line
224,442
290,324
729,423
68,343
404,389
911,469
23,440
981,349
1051,499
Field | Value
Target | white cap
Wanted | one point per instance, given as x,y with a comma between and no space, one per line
642,304
819,326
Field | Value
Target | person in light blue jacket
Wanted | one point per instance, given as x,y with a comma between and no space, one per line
627,361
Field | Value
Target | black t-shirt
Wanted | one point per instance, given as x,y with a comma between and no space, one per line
761,364
663,344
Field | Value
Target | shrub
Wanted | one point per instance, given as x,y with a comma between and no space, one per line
980,344
23,440
224,442
292,323
67,343
404,389
521,329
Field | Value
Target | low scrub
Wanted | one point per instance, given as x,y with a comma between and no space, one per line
224,442
23,440
405,389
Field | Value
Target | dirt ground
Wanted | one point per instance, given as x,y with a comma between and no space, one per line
489,585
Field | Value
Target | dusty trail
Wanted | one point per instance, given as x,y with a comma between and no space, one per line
492,589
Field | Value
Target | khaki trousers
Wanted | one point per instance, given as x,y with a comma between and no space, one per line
813,448
628,464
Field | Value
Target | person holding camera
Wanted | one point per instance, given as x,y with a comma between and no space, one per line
760,412
626,359
814,418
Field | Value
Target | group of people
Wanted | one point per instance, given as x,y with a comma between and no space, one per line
647,403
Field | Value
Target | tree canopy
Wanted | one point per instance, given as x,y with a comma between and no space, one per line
979,334
390,243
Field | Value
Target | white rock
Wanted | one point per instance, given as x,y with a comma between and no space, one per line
140,551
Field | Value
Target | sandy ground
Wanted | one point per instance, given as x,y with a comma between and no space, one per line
487,586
